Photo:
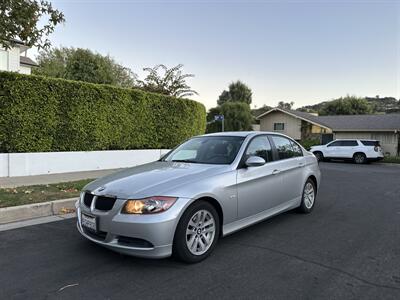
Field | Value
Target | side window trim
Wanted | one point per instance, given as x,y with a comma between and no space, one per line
275,155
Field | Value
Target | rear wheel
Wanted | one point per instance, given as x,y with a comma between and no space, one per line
319,155
308,197
360,158
197,233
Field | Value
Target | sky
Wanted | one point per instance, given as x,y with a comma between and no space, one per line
300,51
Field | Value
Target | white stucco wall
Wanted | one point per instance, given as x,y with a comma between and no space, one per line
25,70
10,61
27,164
3,60
13,59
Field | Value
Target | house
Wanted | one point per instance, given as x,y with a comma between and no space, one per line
15,59
303,126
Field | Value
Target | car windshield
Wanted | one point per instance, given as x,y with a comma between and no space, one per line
207,150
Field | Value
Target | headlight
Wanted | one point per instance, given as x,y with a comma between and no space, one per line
150,205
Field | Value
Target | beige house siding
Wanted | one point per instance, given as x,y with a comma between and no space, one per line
318,129
292,124
388,140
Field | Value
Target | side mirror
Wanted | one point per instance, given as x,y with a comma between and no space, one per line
255,161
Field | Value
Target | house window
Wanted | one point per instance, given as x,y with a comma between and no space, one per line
3,60
279,126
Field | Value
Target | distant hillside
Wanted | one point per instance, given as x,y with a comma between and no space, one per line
379,105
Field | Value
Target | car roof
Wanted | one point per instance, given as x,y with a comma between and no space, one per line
355,140
240,133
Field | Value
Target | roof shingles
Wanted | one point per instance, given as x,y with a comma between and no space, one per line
24,60
349,122
362,122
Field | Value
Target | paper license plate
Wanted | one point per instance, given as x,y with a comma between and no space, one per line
89,222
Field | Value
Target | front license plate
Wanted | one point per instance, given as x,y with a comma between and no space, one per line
89,222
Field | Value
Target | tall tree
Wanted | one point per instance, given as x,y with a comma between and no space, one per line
83,65
237,92
285,105
349,105
234,104
20,19
52,62
170,82
237,117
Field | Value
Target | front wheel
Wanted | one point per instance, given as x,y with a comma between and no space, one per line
197,233
308,197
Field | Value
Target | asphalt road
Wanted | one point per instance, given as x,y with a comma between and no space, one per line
347,248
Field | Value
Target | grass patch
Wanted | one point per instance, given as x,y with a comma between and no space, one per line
41,193
392,159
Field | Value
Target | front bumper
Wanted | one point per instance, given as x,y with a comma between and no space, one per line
148,236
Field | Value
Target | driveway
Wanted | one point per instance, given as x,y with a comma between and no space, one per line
348,248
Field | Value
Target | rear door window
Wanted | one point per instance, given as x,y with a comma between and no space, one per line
296,149
283,147
348,144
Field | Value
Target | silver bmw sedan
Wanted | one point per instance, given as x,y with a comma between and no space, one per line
206,188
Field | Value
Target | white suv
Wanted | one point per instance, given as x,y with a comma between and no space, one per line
360,151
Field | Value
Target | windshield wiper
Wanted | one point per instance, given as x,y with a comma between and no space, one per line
184,160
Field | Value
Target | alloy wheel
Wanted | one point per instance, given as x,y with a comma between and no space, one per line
359,158
200,232
309,195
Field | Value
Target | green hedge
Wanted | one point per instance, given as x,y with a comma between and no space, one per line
39,114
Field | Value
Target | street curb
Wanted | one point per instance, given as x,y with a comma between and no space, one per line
36,210
387,164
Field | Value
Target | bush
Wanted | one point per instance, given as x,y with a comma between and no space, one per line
391,159
39,114
308,143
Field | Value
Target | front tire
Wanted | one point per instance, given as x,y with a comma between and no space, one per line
197,233
308,197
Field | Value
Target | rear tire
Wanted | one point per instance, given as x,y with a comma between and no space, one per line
308,197
197,233
359,158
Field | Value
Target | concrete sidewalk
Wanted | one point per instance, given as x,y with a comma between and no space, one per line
10,182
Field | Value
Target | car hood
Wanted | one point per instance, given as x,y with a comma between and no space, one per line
317,147
154,179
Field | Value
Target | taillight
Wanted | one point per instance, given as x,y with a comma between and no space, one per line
377,148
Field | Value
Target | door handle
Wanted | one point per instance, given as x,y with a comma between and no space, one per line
301,164
275,172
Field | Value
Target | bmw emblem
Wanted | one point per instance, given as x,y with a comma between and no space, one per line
100,189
